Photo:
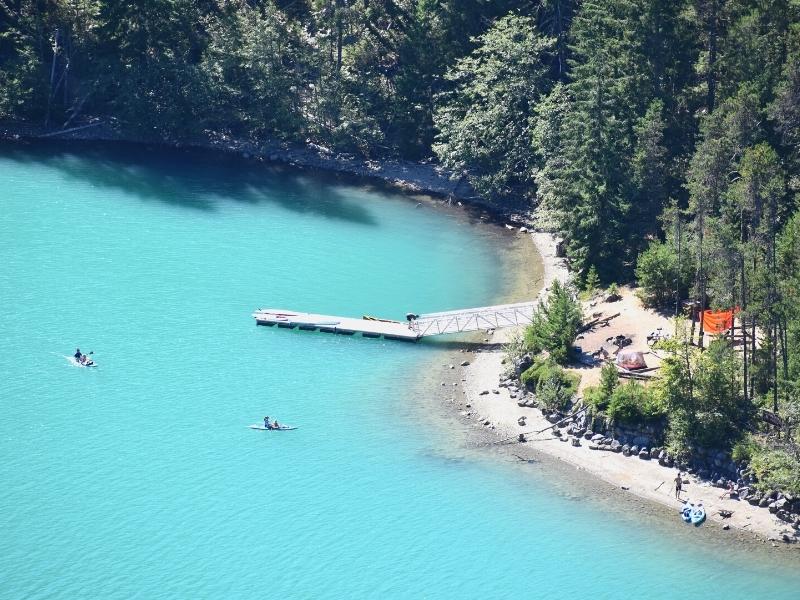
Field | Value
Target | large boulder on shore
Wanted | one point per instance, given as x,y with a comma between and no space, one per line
644,454
626,450
522,364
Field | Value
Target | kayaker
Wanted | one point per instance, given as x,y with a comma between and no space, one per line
78,356
266,423
275,425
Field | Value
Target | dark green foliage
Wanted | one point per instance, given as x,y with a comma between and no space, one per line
557,390
554,387
592,281
633,403
776,469
600,396
483,123
657,274
703,395
555,325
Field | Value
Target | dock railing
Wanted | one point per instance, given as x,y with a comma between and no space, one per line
474,319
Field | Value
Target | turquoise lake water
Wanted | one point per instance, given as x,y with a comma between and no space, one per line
140,479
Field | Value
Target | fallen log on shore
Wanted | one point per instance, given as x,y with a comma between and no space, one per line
595,322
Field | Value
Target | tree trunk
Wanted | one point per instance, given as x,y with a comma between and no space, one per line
678,272
701,278
785,347
52,79
711,79
774,354
743,322
339,35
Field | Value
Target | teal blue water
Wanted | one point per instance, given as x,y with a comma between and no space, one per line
140,478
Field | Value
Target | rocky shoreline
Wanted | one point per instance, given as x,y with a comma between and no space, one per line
424,177
628,459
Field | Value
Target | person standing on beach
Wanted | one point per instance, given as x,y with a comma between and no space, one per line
678,485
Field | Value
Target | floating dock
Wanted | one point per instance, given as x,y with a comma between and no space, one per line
441,323
368,327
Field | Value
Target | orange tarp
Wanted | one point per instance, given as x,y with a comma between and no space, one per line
718,321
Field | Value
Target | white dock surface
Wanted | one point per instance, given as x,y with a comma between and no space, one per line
330,324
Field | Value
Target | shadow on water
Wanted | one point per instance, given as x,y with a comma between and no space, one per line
194,179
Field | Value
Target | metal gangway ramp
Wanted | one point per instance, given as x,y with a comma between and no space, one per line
474,319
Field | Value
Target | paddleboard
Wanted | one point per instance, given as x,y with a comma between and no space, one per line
262,428
75,363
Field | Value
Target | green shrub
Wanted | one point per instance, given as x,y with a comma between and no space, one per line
595,398
530,378
541,369
557,389
776,469
744,450
656,270
592,280
599,396
633,403
554,387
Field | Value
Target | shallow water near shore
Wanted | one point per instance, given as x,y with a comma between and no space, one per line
140,477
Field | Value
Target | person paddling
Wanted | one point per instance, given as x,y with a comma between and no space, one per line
266,423
78,356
